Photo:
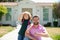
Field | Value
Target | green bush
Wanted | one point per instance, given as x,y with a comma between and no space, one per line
55,23
48,24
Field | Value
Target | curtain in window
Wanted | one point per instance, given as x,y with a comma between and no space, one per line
45,14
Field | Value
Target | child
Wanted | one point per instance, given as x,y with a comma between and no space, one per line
25,19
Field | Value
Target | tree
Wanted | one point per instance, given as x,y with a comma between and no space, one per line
3,10
56,11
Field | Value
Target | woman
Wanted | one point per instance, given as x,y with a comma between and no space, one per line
25,19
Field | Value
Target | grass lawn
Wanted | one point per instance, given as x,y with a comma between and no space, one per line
5,29
54,32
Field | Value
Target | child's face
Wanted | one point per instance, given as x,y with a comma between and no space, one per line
26,16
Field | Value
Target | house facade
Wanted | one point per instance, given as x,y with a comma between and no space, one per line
43,10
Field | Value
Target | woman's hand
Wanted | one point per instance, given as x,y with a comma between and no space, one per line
34,39
36,34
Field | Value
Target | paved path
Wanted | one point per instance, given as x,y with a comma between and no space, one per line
11,35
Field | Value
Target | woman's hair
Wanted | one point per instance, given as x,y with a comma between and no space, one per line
21,17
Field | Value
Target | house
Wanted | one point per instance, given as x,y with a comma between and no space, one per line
43,10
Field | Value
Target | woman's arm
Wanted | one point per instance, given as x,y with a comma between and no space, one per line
20,17
29,27
28,35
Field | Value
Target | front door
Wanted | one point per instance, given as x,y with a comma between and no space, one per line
27,9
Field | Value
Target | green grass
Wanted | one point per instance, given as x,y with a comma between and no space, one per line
54,32
56,37
5,29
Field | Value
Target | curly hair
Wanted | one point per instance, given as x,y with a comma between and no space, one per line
21,17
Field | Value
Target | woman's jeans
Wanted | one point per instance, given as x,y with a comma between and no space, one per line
20,37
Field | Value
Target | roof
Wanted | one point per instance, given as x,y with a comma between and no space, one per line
44,4
16,3
8,3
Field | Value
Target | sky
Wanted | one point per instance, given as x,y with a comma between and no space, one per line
46,0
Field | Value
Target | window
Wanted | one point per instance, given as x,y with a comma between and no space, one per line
0,18
45,14
8,16
9,10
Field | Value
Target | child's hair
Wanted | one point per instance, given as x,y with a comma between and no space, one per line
24,19
22,16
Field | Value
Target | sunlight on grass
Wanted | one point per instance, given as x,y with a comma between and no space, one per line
5,29
54,32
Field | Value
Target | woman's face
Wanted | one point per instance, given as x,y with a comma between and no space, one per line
26,16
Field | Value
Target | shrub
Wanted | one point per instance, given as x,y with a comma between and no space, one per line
55,23
6,25
48,24
45,25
